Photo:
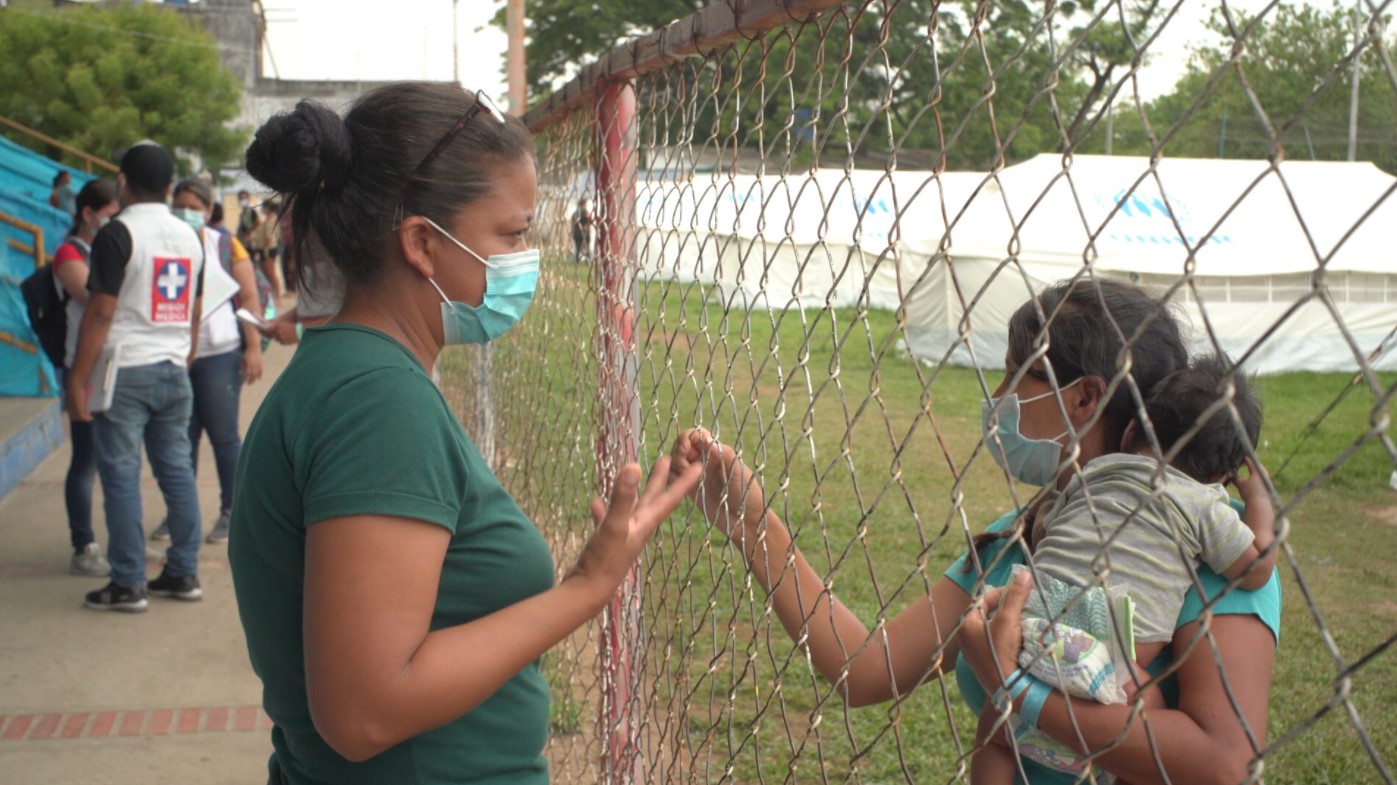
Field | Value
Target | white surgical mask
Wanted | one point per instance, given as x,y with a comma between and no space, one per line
1033,461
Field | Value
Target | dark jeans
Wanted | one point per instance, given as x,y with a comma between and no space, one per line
82,474
218,383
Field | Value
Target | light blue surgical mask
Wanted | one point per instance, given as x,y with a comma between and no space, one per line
1033,461
194,218
510,282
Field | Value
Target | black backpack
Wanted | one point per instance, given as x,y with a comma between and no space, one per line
46,311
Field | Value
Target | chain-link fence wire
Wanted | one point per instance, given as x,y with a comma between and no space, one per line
835,209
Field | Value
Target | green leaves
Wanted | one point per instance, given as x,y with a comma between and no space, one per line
1292,62
100,78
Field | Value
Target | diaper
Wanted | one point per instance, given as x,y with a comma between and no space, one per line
1068,641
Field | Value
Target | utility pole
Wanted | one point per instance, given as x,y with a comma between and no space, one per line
1110,127
1353,94
456,41
1222,134
514,62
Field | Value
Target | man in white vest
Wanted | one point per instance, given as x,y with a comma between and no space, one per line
138,334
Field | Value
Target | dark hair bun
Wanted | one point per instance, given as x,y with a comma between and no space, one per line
297,152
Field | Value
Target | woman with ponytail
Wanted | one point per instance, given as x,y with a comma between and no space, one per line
395,598
95,204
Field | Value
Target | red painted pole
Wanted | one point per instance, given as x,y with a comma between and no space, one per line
618,411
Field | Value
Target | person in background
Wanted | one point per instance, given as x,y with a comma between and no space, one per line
229,352
143,309
582,231
247,221
266,241
96,204
319,291
62,195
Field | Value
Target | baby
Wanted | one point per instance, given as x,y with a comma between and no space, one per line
1110,527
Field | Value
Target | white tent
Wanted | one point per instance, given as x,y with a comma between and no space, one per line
808,240
942,244
1269,242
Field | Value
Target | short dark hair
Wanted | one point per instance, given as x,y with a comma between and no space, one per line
1179,402
1089,323
58,178
342,178
149,169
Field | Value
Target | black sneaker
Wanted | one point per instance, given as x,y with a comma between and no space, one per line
115,597
185,587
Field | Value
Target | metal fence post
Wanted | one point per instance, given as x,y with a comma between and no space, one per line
618,410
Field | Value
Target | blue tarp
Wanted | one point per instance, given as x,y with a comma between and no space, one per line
26,179
24,368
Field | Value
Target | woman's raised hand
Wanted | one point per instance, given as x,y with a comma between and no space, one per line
729,495
626,524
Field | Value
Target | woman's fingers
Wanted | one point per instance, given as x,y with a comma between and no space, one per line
623,494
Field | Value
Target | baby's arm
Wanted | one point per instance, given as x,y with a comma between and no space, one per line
1261,519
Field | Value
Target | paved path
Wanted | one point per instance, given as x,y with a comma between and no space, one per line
94,698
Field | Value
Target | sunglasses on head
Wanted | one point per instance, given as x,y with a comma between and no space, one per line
482,103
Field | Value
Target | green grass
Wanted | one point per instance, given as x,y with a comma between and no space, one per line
870,458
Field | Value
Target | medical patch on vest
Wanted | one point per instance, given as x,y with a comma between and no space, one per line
169,294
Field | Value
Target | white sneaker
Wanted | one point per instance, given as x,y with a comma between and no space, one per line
90,561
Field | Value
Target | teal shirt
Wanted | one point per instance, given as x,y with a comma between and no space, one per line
354,426
1264,603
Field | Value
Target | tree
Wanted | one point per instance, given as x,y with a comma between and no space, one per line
566,33
964,84
1293,61
100,79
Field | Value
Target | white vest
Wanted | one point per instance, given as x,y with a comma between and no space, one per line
219,333
156,301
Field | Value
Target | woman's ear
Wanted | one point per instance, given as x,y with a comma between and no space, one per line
1085,399
417,241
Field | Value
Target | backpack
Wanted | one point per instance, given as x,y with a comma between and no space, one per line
47,315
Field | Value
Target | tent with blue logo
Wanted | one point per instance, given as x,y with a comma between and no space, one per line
1287,263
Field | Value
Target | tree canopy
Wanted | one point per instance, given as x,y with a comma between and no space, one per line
1292,60
962,83
102,78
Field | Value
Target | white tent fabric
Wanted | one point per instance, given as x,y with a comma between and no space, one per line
825,238
946,244
1263,236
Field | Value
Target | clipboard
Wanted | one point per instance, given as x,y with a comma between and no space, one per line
101,383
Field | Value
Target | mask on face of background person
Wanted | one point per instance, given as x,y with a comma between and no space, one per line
510,282
1033,461
194,218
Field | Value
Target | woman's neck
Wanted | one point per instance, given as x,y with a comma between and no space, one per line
391,306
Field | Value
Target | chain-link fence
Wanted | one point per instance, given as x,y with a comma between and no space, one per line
812,223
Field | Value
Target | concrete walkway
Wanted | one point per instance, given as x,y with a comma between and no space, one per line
96,698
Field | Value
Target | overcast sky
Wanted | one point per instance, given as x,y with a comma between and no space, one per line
412,39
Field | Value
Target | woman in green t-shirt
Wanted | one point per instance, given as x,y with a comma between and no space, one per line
1070,363
394,597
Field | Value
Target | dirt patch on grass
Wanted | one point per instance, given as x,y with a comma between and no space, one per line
1387,515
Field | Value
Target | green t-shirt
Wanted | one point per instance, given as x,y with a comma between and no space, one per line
354,426
1263,603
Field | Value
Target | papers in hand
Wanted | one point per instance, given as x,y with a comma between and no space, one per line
101,383
244,315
